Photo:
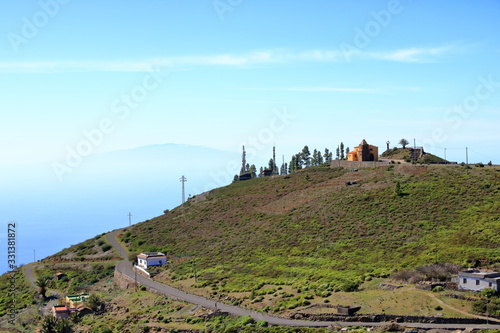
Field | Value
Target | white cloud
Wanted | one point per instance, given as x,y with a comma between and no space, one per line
328,89
418,55
415,55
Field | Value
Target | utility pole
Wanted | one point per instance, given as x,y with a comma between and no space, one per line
243,162
183,180
194,269
467,159
129,219
274,160
445,153
284,169
135,278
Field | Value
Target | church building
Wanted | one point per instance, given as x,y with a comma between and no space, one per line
363,152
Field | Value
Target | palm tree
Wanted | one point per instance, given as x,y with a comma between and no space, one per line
95,303
51,324
403,142
43,282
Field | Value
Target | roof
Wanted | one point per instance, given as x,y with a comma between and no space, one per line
150,255
480,274
60,308
77,298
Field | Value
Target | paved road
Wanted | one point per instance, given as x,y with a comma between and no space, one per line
30,275
125,267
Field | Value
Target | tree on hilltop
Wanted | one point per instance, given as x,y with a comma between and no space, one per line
403,142
306,156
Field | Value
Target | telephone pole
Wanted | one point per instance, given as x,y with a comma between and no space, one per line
467,159
129,219
274,161
183,180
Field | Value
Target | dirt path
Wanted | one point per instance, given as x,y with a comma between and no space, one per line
462,311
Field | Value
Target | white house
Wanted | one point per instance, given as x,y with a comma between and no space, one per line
146,259
478,280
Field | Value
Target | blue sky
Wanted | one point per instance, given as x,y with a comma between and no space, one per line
341,71
87,77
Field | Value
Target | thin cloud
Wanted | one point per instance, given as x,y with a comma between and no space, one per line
329,89
415,55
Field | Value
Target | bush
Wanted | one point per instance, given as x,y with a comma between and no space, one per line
438,308
437,289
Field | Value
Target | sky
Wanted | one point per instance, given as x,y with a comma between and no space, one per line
221,73
82,78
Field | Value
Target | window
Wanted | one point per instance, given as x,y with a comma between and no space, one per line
465,281
477,282
490,284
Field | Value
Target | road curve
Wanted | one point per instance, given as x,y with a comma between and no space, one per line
125,267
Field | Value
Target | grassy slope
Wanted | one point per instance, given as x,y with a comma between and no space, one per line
309,228
405,154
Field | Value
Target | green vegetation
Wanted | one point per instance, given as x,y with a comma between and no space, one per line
78,277
405,154
93,249
14,290
308,230
283,244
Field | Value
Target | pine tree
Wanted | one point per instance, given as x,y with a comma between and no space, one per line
342,151
328,156
337,153
319,158
306,156
253,171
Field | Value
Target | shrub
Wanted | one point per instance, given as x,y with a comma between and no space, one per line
438,308
437,289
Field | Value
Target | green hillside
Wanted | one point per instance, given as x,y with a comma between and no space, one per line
405,154
310,229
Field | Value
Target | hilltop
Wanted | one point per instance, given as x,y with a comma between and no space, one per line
310,228
406,155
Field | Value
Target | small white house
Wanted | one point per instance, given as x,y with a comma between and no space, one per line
146,259
478,280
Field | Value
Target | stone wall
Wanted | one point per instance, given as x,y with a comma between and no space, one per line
387,318
123,281
357,164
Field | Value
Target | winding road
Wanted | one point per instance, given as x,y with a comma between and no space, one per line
30,275
125,267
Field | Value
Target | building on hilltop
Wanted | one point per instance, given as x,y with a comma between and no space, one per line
478,280
363,152
146,259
